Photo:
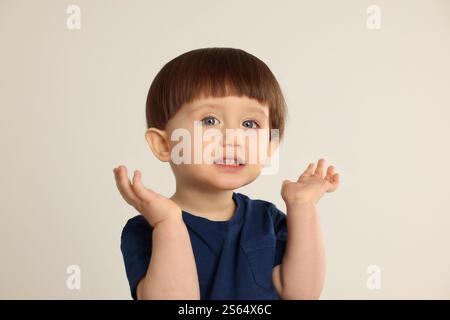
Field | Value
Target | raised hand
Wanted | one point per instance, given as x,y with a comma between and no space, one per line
311,185
153,206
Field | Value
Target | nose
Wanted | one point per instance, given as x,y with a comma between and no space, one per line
231,137
232,142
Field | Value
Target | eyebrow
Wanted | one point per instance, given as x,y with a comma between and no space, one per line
212,106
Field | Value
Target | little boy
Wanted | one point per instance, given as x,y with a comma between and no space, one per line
207,241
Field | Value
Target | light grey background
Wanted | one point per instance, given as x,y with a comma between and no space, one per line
374,103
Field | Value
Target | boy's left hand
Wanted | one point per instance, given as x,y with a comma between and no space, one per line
311,185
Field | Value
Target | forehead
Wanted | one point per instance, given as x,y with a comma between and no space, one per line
229,103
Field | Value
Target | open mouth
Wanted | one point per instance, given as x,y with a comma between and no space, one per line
230,162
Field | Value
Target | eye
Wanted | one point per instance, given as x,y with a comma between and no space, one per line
251,124
209,121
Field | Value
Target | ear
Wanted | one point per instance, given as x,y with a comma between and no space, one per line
159,143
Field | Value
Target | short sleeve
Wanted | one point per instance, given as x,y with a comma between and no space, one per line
280,228
136,246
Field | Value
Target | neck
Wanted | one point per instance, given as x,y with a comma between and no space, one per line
212,204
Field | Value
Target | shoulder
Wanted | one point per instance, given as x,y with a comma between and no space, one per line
135,226
255,207
263,223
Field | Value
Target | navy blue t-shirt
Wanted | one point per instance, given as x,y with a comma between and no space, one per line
234,258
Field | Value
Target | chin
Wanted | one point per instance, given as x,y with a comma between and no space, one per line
220,179
229,182
226,185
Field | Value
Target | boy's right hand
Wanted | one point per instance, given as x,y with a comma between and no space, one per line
153,206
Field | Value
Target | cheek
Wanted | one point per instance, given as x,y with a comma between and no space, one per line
197,172
208,151
256,154
253,170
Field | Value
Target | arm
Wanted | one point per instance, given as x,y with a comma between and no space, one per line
172,272
303,267
302,272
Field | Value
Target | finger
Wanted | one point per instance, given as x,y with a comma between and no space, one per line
124,185
335,183
330,172
336,178
309,171
142,192
319,169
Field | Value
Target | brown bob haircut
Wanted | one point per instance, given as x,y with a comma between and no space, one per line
213,72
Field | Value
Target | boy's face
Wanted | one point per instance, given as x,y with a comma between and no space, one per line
217,143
